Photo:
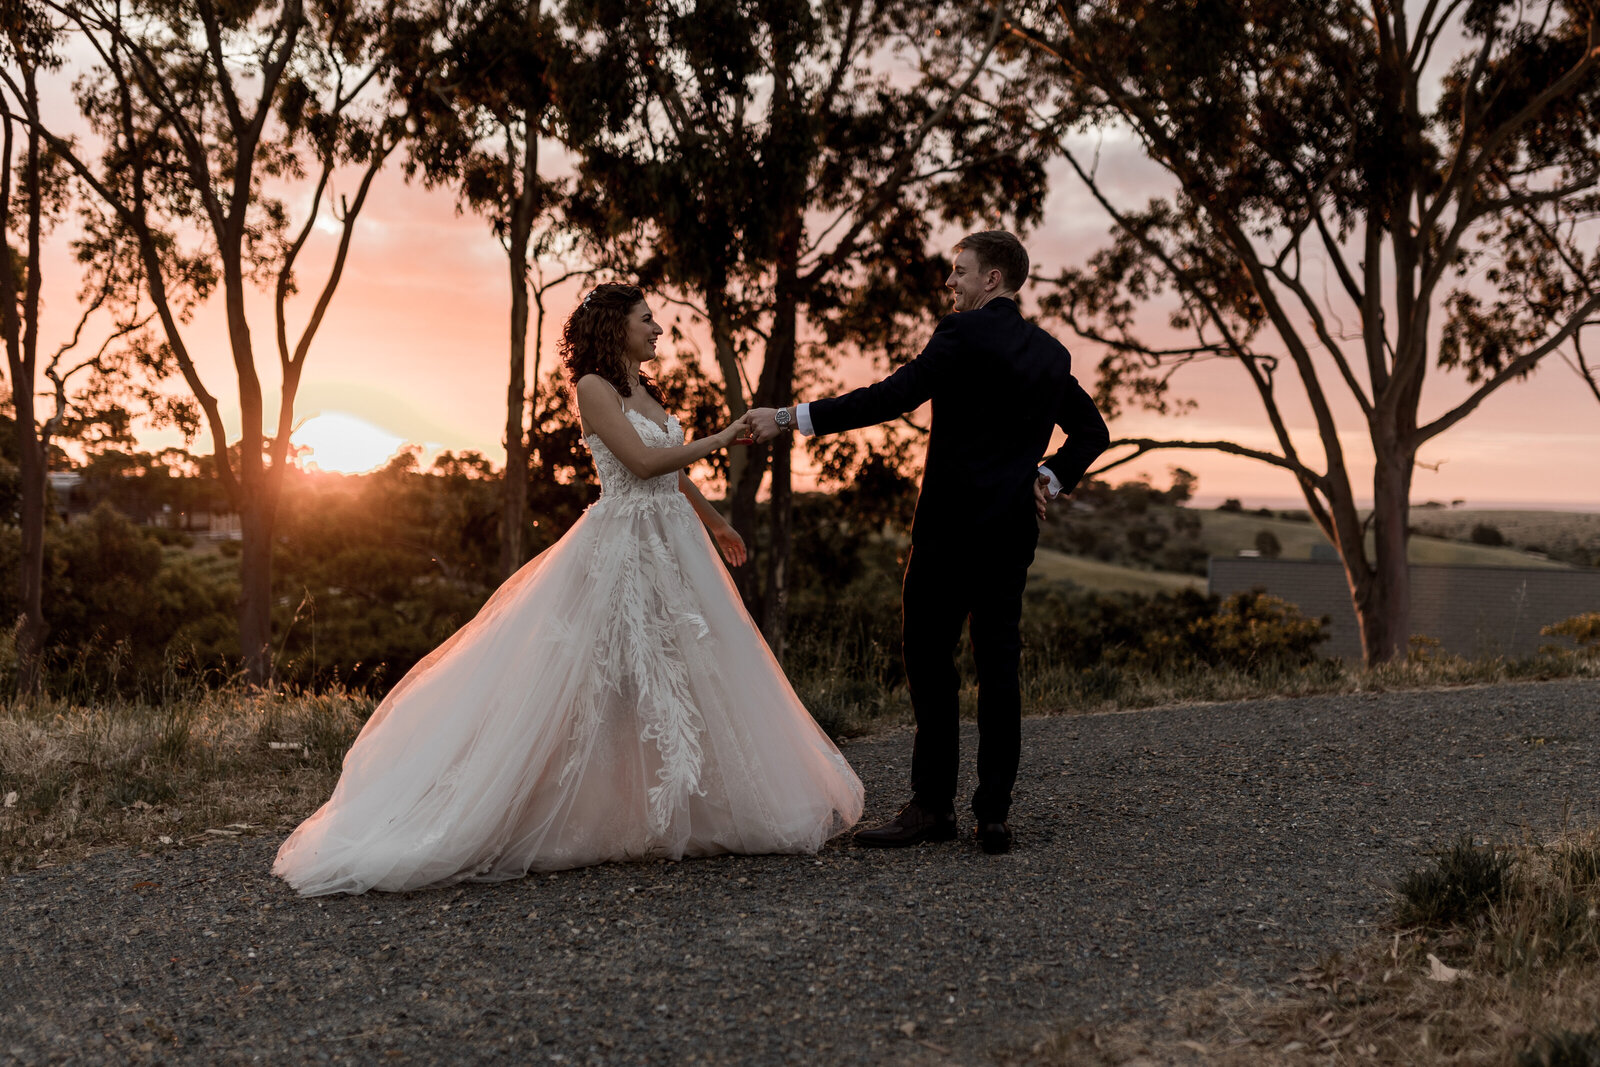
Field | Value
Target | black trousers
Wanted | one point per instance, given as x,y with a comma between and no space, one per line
945,586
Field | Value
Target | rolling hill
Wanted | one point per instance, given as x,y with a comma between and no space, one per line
1224,533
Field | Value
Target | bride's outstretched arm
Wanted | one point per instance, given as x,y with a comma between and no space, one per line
601,410
722,531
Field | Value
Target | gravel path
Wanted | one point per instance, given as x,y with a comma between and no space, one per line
1158,850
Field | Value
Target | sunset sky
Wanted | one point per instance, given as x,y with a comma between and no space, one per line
414,351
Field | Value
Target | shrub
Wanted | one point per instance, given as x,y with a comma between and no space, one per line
1461,885
1166,633
1485,534
1254,630
1268,545
1421,648
1565,1049
1584,630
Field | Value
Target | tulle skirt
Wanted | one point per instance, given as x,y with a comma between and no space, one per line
611,701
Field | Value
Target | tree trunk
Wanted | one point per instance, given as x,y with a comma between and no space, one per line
31,627
515,496
789,122
746,464
721,322
20,318
1383,609
255,587
744,517
744,480
775,598
781,361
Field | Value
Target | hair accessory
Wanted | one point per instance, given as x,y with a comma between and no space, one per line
588,298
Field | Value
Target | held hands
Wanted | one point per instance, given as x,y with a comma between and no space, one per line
738,432
764,421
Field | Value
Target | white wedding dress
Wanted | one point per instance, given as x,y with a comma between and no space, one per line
611,701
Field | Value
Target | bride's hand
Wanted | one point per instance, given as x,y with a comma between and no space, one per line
731,544
739,432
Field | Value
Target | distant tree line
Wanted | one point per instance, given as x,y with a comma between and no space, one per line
373,571
1350,208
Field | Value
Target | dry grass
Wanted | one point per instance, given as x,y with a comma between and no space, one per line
1521,527
1078,692
1514,980
75,778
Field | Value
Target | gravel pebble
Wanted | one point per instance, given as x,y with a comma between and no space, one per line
1157,850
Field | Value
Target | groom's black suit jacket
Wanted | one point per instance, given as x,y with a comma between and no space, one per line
999,386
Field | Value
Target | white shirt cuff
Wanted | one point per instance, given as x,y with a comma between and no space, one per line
802,420
1055,483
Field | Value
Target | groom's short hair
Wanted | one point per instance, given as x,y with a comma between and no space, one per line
998,250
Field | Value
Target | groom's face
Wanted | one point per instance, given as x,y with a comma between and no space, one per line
968,282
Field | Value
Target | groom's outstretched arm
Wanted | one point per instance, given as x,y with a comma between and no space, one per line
907,389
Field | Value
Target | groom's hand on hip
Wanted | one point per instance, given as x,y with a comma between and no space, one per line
1041,494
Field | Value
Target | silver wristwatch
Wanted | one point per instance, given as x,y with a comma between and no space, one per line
784,420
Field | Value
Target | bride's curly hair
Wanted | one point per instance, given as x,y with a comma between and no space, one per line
595,333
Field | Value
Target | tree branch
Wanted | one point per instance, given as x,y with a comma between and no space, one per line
1145,445
889,188
1515,369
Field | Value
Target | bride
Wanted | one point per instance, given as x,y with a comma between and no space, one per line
611,701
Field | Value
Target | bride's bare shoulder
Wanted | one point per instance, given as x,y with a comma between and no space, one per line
595,394
594,385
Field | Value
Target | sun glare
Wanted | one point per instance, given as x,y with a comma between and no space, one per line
344,444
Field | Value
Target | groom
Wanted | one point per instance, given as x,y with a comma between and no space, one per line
999,385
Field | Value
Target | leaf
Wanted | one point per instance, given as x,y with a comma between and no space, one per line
908,1028
1440,973
11,799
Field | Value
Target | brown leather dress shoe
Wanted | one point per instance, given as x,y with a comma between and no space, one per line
995,837
914,825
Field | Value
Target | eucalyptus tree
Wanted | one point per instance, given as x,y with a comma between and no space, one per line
482,108
781,165
86,371
221,133
1362,193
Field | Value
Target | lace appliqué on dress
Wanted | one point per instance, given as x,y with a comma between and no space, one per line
649,647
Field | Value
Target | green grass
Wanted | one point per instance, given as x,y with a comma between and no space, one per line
1224,533
1050,565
